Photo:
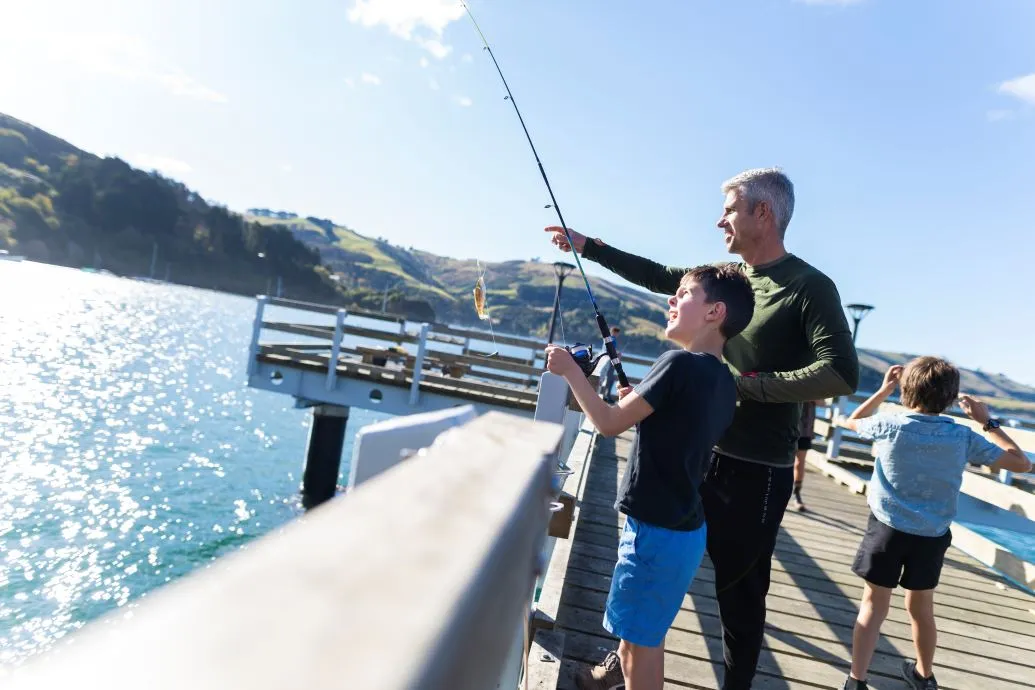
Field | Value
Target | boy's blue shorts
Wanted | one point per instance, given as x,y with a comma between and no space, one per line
654,571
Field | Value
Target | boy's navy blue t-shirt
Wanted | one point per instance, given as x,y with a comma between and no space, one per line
694,397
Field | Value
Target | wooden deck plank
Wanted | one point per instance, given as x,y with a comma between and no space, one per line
700,602
791,552
957,607
986,625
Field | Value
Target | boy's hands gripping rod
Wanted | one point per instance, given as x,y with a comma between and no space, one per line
605,331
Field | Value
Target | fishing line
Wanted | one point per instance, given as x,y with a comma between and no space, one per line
605,331
560,320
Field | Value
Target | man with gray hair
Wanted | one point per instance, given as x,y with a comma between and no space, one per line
797,347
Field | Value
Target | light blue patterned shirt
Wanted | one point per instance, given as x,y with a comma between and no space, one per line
919,469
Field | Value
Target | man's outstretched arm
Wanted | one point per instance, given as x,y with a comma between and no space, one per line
834,372
643,272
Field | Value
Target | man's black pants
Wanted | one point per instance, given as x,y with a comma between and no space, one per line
744,503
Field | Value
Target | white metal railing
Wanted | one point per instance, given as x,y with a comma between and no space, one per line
417,578
435,333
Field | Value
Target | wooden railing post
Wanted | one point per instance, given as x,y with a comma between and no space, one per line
834,442
418,364
253,348
332,363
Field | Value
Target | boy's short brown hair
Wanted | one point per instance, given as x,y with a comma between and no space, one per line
930,384
726,283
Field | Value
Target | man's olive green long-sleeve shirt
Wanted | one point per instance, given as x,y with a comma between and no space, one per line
798,347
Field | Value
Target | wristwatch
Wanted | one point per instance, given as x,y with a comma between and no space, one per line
992,423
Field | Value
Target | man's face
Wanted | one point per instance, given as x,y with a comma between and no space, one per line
741,226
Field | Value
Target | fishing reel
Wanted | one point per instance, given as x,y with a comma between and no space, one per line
583,356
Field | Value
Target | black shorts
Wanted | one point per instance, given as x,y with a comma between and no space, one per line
804,443
888,557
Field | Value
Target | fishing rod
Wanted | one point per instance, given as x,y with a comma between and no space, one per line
605,331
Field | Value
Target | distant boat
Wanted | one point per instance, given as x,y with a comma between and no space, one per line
7,256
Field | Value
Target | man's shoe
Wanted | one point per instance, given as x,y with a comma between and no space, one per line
607,675
915,680
798,505
853,684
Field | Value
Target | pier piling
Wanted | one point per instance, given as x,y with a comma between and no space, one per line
323,454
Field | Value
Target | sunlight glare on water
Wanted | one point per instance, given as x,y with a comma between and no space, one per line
131,452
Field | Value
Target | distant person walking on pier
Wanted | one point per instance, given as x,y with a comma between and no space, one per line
798,347
680,409
921,458
805,434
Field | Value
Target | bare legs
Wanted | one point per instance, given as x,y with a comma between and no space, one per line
920,604
872,612
643,667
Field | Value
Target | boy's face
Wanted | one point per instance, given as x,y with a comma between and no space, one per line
689,313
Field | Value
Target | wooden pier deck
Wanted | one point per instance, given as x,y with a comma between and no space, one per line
986,625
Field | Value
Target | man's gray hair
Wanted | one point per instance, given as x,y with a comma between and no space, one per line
770,185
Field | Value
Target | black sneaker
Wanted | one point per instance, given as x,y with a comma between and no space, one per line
853,684
915,680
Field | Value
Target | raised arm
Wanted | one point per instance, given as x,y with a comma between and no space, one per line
891,379
643,272
609,420
1012,458
835,370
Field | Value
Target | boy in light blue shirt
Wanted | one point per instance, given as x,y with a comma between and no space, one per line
921,457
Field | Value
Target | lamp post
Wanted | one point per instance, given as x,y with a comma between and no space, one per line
561,270
858,312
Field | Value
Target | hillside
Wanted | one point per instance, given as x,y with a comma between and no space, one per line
63,205
66,206
520,298
520,293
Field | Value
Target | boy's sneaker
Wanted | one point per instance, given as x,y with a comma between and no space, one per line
853,684
915,680
607,675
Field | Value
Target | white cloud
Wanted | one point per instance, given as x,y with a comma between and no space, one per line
402,17
287,168
179,84
435,47
1021,87
409,19
997,115
125,57
433,84
463,101
424,62
467,58
350,82
170,166
368,78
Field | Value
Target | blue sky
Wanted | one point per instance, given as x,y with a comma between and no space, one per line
908,128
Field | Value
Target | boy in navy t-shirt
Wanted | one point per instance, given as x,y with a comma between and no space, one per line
680,409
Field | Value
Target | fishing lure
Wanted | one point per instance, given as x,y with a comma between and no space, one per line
605,331
481,308
479,299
